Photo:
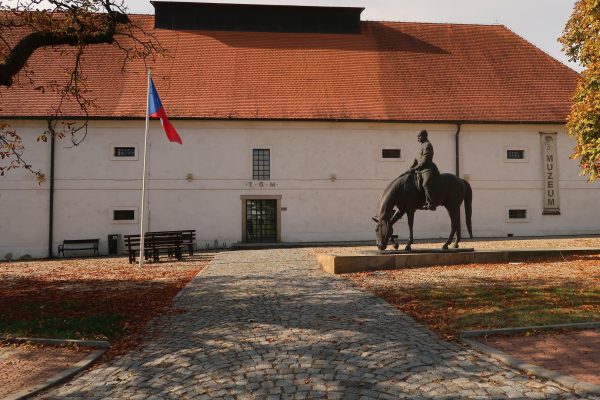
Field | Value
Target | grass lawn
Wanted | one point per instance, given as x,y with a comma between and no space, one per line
483,296
93,298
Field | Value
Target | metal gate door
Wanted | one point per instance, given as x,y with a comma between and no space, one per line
261,221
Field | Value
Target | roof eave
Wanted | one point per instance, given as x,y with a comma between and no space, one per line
365,120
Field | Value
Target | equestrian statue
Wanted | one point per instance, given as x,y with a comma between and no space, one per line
422,187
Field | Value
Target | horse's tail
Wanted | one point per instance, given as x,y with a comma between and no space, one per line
468,208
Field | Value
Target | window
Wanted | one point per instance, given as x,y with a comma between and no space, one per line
124,151
515,154
517,214
123,215
390,153
261,164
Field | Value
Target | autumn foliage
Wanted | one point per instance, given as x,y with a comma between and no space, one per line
453,298
94,298
581,42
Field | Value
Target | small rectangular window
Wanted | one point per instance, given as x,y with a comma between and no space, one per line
517,214
515,154
124,151
390,153
261,164
123,215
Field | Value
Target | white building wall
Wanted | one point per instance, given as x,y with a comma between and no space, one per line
330,177
24,204
500,184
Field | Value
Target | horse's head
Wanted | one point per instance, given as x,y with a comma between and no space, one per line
383,232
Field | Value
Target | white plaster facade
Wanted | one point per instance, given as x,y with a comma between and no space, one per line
305,156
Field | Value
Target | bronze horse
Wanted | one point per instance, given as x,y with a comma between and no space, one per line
403,194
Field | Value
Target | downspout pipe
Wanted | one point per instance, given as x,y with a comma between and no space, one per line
51,194
457,147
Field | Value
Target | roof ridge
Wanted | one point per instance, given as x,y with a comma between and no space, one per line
434,23
380,20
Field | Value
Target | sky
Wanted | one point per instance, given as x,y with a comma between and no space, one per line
541,22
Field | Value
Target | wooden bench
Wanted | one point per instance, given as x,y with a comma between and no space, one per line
188,238
170,243
77,245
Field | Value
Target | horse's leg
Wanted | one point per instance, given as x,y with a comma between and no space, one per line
452,214
458,235
395,244
395,218
411,218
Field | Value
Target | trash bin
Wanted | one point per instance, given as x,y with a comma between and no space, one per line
113,244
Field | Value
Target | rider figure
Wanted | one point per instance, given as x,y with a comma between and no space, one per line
426,168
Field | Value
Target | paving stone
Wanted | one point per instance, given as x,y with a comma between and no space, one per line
270,324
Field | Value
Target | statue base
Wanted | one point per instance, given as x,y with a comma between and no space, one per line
396,259
419,251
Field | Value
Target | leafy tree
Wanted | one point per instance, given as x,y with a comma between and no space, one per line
581,42
26,26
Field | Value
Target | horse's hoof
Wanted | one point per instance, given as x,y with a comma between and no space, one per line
455,245
408,248
396,245
445,247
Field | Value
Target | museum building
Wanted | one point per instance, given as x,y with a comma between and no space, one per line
293,120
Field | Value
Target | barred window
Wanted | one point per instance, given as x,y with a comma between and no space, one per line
124,151
515,154
261,164
390,153
123,215
517,214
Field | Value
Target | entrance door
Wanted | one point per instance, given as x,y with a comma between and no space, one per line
261,221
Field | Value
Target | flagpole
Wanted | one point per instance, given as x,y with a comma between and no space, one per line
142,208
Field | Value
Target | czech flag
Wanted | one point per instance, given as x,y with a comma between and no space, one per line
156,110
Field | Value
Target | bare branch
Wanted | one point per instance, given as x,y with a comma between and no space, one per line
11,147
26,27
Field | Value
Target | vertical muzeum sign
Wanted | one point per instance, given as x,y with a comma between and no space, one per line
550,168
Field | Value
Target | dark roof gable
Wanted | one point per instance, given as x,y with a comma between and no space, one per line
256,17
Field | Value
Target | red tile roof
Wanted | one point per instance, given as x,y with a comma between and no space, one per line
393,71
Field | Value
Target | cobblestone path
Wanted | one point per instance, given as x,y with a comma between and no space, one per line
268,324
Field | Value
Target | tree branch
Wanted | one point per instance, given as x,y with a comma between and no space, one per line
25,27
96,29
